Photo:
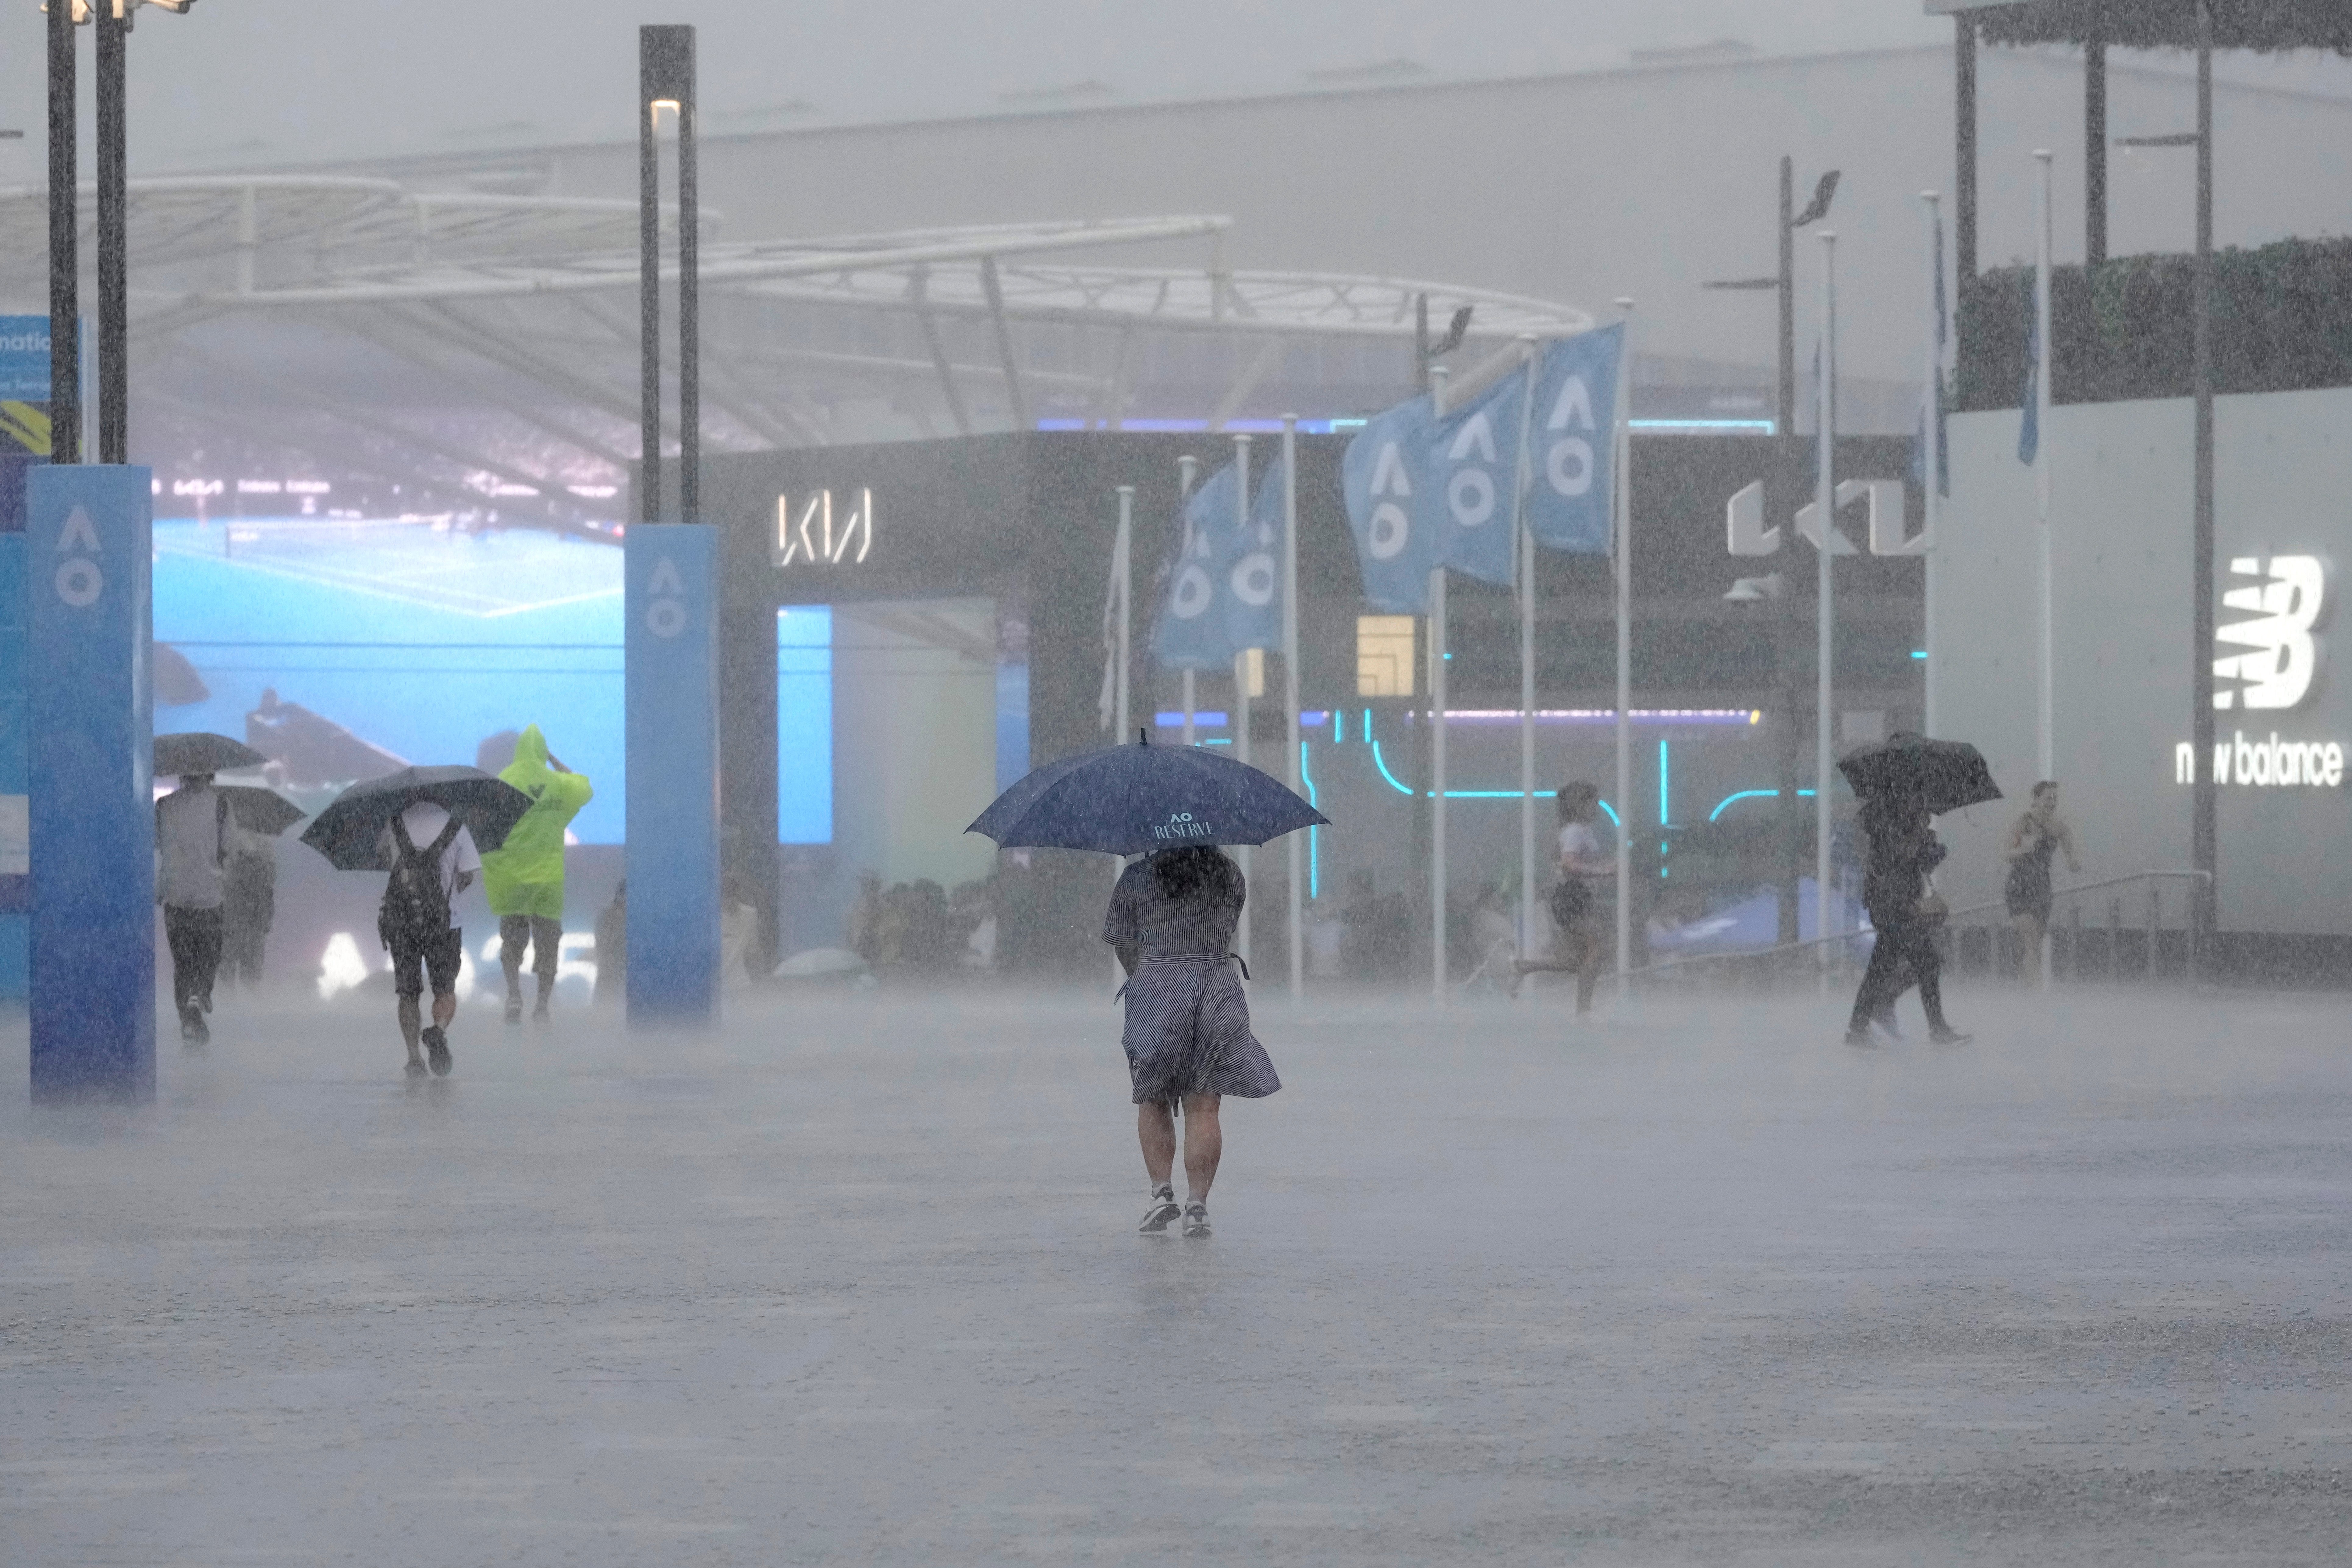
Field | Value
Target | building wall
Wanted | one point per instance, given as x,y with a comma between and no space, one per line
2121,520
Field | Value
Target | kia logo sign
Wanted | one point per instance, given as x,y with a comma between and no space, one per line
822,529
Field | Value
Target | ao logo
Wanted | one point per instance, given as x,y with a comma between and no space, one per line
1252,576
666,616
1194,590
1390,525
1567,462
79,579
2285,602
1470,492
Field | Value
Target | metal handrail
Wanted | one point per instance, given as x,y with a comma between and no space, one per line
1753,953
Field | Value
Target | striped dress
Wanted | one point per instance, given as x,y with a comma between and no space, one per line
1188,1024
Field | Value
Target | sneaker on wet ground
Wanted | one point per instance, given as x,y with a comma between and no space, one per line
1162,1212
415,1067
1950,1037
437,1050
539,1013
1196,1219
1860,1039
514,1009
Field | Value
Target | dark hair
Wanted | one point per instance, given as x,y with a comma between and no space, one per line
2047,787
1183,873
1582,796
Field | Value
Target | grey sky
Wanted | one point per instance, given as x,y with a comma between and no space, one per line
285,81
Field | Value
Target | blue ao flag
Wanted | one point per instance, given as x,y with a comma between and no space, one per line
1191,632
1385,478
1474,461
1570,505
1252,583
2029,426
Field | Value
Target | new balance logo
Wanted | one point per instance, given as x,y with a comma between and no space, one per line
2280,663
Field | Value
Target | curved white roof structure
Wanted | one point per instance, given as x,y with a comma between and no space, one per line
485,346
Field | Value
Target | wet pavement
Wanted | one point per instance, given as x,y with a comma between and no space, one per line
857,1282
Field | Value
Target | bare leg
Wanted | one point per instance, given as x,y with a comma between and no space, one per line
410,1020
1205,1144
1155,1129
444,1007
513,932
2030,929
1588,968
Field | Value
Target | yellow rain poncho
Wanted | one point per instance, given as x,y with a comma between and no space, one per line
525,876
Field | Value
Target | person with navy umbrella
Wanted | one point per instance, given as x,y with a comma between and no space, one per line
1188,1039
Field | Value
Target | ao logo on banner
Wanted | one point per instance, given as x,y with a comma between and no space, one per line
666,616
79,581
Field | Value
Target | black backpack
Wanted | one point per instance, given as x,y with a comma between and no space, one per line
415,908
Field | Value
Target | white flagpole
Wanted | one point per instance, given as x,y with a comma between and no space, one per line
1523,540
1290,700
1621,499
2044,737
1825,924
1185,468
1437,782
1932,447
1240,678
1126,569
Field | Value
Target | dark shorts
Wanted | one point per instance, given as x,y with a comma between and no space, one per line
435,957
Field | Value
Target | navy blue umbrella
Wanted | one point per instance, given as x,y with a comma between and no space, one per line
1131,800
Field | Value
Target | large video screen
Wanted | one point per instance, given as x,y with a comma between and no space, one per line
344,649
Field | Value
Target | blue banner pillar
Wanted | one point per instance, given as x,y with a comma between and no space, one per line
672,572
88,557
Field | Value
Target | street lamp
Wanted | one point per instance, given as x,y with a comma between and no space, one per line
113,19
665,84
1785,461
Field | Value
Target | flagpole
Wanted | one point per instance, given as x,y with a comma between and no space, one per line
1185,468
1290,698
1437,786
1241,681
1931,445
1524,540
1620,493
2044,739
1825,925
1126,570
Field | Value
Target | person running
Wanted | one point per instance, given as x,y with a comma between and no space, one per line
1187,1038
523,877
1893,886
250,904
1575,922
192,843
431,859
2038,834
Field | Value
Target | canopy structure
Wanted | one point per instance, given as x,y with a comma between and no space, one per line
479,350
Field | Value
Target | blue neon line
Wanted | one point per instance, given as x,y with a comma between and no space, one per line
1748,794
1665,792
1918,653
1384,771
1313,867
1339,724
1763,425
1605,807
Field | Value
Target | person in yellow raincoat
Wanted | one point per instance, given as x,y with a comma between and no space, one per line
523,878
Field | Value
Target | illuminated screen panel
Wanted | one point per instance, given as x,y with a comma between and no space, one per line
804,724
346,650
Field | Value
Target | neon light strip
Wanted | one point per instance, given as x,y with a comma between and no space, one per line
1313,867
1749,794
1602,716
1761,426
1665,794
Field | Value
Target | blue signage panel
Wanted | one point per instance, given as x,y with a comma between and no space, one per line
25,359
24,410
87,558
671,571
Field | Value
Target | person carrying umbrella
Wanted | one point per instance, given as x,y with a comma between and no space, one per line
420,827
194,837
1171,919
524,879
1903,784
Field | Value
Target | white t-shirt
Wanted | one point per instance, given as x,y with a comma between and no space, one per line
1578,845
188,849
424,822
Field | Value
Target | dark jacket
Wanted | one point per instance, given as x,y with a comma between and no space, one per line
1902,851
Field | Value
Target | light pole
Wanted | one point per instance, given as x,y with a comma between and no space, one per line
1781,470
1825,600
665,81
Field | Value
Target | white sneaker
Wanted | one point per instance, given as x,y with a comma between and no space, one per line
1196,1219
1162,1213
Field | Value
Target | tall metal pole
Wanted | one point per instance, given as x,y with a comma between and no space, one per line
2045,740
2204,835
2094,145
1186,467
1240,678
1781,482
1434,747
649,397
1297,841
1932,446
1123,567
1825,924
1621,487
113,236
1524,538
65,244
1964,148
689,294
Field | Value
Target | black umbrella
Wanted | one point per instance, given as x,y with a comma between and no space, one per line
260,810
1948,775
1129,800
350,832
202,752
